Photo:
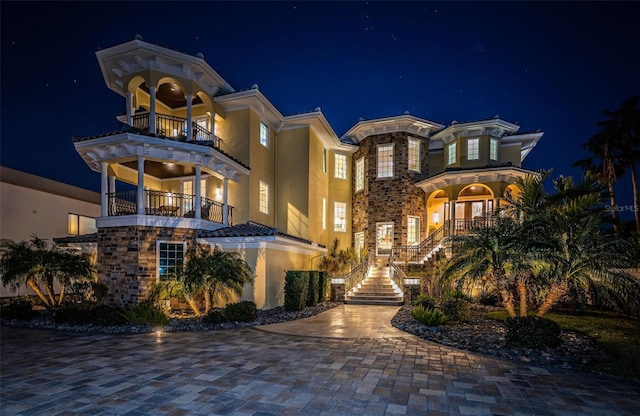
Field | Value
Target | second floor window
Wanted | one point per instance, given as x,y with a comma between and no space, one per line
81,224
413,231
324,160
264,134
340,216
473,149
264,198
341,167
414,155
385,161
493,149
451,154
360,174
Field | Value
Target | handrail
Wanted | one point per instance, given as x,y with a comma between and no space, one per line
173,127
414,254
357,274
397,275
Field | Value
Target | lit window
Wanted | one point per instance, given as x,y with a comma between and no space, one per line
360,174
81,225
493,149
473,149
341,167
324,213
324,160
414,155
413,231
340,216
264,135
264,198
170,259
385,161
451,153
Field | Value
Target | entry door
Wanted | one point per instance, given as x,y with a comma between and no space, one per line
384,238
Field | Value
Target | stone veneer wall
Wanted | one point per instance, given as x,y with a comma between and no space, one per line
127,260
389,199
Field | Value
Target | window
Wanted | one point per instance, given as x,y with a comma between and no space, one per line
385,161
360,174
170,258
473,149
324,213
340,216
384,238
264,198
341,167
264,134
413,231
324,160
451,154
189,193
493,149
359,245
81,224
414,155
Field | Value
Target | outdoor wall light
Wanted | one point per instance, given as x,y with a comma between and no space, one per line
436,217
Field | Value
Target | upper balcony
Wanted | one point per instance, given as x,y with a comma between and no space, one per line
175,128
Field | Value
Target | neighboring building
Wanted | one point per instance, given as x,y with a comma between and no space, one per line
212,165
31,204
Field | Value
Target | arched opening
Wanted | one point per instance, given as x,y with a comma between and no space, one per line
474,207
437,210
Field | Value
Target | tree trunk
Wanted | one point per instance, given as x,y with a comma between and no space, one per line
614,206
555,293
207,302
192,305
507,301
34,286
50,293
61,297
636,197
522,295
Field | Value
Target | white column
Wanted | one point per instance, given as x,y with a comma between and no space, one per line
225,205
103,189
140,189
452,216
112,183
129,106
198,213
189,122
212,122
152,110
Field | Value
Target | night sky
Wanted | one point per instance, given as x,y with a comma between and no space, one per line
546,65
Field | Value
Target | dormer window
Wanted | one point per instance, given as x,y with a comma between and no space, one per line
493,148
414,155
264,134
473,149
451,153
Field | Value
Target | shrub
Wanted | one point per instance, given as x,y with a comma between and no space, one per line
18,308
100,315
314,288
457,309
324,286
489,299
429,317
146,313
457,294
426,301
296,284
214,317
534,332
245,311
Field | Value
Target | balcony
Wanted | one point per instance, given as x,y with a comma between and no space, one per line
166,204
175,128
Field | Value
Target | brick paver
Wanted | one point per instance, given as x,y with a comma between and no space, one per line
267,371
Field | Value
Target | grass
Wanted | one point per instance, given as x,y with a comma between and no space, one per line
617,335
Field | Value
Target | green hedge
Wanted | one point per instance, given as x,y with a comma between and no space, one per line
314,288
296,286
324,284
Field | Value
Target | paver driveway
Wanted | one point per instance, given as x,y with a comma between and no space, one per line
268,371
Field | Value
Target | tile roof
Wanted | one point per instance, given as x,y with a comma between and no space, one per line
251,229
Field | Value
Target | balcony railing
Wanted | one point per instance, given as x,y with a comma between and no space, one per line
166,204
173,127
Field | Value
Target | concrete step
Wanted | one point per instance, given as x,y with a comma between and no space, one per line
374,302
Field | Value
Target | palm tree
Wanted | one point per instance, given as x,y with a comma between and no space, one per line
39,265
336,262
215,276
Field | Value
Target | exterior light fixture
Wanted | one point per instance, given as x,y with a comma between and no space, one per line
436,217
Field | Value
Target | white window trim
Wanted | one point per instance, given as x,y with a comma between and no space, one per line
359,174
324,212
378,224
385,145
266,187
336,172
409,217
452,160
158,242
493,142
335,224
324,160
266,139
475,140
419,144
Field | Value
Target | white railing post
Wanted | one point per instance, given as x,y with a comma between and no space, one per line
225,205
152,110
129,106
140,188
103,189
198,207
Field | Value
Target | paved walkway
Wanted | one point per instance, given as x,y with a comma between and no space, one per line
269,371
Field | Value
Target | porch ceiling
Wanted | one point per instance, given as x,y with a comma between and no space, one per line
467,177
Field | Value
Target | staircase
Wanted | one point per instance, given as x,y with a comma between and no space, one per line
376,289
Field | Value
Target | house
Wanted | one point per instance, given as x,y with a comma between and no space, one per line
198,162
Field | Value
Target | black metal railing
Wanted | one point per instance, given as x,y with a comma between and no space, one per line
357,273
175,128
166,204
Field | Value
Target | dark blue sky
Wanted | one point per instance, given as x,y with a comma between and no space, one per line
546,65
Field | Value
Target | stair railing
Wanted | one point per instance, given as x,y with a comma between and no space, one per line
397,275
415,254
357,274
